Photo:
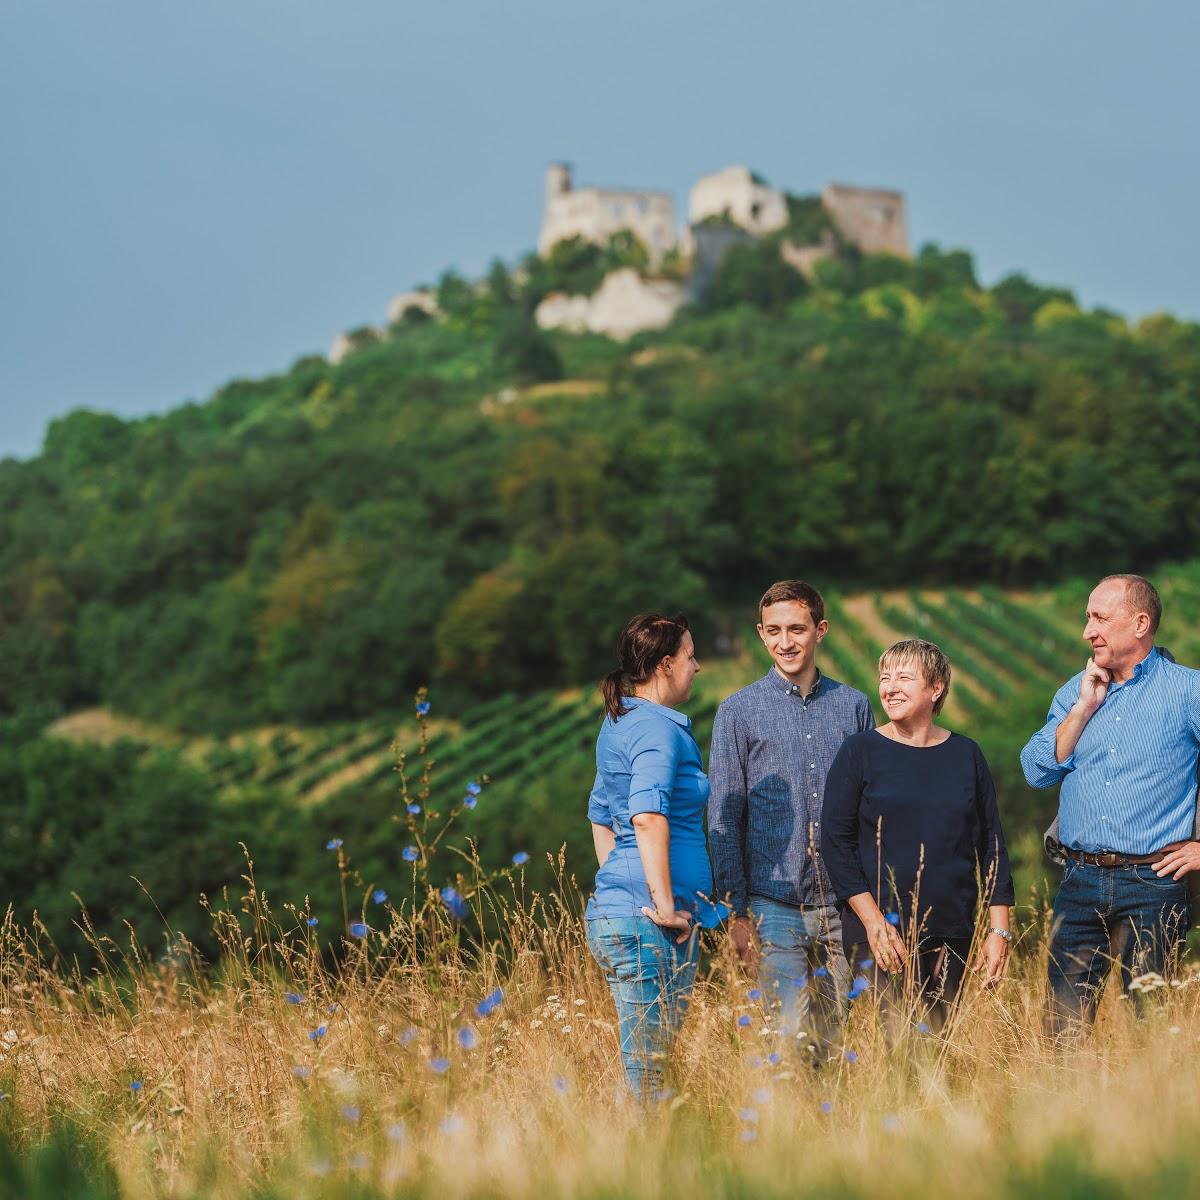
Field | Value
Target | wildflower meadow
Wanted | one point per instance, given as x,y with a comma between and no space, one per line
460,1042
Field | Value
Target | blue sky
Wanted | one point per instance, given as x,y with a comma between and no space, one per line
196,192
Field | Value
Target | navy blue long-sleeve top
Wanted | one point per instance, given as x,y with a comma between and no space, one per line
919,828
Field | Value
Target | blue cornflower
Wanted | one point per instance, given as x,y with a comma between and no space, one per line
379,896
851,1056
301,1071
560,1084
293,997
410,854
358,929
520,858
350,1113
775,1058
800,981
312,922
470,801
861,983
318,1033
466,1038
922,1027
455,903
753,1061
755,994
453,1123
409,1036
490,1003
748,1115
891,1122
893,918
358,1162
743,1020
866,964
423,708
396,1131
821,972
414,809
135,1086
333,844
473,789
749,1135
826,1107
760,1095
440,1065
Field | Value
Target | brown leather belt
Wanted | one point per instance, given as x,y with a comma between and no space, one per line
1110,858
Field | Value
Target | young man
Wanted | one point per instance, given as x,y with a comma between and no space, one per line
772,745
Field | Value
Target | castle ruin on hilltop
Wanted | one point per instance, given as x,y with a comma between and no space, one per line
725,208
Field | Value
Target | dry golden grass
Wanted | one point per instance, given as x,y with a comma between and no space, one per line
237,1098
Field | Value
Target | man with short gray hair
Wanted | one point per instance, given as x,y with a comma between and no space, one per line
1123,738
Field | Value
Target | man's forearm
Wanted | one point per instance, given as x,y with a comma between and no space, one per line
1070,728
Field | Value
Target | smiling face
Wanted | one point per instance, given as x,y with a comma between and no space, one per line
1119,636
791,636
907,696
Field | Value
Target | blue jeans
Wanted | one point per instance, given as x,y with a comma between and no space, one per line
1106,915
650,976
802,970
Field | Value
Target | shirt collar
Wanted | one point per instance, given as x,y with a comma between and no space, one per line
673,713
1146,665
787,688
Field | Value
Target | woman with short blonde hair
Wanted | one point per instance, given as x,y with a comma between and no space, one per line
911,838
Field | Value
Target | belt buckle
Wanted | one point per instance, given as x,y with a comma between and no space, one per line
1109,858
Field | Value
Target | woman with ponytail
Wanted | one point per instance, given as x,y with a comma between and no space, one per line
646,811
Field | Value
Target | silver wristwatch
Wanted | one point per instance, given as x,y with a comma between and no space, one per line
1004,933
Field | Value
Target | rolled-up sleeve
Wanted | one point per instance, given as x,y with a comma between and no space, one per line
1039,758
727,809
993,854
839,823
598,810
653,761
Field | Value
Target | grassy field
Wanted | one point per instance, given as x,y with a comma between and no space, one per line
402,1071
288,1071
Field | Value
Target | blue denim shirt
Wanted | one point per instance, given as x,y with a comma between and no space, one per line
648,762
771,750
1130,785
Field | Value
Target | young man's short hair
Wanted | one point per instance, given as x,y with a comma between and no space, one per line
794,589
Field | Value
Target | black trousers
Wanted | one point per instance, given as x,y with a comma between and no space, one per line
930,981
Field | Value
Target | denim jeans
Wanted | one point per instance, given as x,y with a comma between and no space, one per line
650,976
1106,915
802,970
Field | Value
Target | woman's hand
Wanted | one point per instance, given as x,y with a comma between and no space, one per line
679,919
992,958
886,945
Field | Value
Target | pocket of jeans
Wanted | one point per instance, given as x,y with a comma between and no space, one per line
1144,873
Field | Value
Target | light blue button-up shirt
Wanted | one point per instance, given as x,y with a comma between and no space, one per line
648,762
1130,785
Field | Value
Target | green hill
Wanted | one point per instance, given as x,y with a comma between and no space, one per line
469,502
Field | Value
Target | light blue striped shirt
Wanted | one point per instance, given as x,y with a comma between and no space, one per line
1130,785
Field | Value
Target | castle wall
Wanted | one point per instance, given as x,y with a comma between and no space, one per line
595,214
754,206
872,218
